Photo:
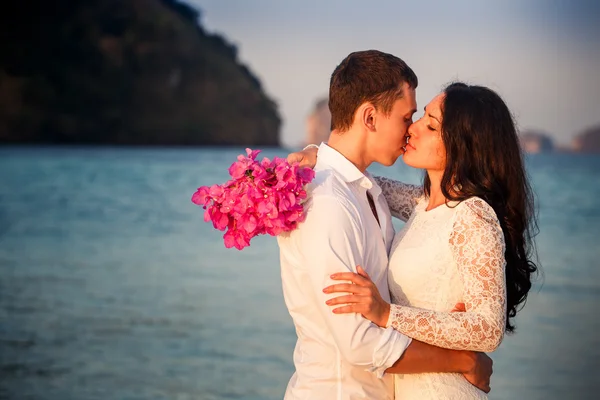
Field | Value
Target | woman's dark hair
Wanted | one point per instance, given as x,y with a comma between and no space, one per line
484,159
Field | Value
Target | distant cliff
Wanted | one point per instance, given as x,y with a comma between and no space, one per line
125,72
318,123
588,141
536,142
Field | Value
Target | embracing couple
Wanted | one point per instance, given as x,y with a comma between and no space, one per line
409,315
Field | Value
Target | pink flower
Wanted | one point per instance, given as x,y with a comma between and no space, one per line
266,163
258,172
263,197
243,204
216,192
220,220
306,174
248,223
236,238
286,200
201,197
238,169
252,153
268,208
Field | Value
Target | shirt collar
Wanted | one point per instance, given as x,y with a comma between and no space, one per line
329,158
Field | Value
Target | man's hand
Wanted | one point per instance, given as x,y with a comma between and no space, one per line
306,158
481,371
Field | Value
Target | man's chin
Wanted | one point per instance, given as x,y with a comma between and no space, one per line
390,162
396,158
390,159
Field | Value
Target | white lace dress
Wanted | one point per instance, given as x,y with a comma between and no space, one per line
442,257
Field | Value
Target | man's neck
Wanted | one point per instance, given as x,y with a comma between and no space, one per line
350,145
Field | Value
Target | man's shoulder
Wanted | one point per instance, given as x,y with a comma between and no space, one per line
328,184
329,201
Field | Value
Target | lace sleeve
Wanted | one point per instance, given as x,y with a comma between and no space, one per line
477,244
401,197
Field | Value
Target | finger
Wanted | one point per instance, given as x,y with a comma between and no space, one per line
295,157
351,308
362,272
347,288
352,277
348,299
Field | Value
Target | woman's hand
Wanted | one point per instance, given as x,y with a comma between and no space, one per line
364,297
306,158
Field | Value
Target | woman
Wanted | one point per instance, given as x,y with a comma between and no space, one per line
467,238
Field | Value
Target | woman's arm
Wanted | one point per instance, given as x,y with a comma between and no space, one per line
477,244
401,197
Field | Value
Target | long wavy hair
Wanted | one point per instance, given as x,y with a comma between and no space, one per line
484,159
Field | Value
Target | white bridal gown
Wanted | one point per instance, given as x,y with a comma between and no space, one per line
441,257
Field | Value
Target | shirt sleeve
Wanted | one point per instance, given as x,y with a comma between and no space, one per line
401,197
330,241
477,244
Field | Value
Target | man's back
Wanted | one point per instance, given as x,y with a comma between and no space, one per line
338,356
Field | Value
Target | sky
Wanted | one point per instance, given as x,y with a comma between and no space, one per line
541,56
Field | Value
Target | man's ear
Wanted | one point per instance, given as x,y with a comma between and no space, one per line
367,115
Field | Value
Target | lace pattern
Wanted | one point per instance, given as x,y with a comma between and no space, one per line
477,246
401,197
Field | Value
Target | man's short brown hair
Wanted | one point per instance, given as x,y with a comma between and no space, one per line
366,76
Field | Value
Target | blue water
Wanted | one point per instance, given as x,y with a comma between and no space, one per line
113,287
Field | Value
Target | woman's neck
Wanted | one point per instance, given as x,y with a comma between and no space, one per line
436,197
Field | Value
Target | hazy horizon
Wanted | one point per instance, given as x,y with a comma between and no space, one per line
541,57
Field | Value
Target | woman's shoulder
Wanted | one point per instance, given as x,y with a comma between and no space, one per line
476,208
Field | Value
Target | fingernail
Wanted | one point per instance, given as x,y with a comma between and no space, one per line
328,302
326,290
333,276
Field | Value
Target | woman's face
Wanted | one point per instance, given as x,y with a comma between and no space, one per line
425,148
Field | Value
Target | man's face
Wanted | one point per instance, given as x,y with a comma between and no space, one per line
389,137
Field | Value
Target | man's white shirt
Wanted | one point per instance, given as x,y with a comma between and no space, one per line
338,356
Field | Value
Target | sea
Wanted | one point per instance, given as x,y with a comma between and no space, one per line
113,287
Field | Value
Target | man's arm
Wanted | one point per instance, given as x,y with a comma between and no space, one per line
421,357
328,242
331,240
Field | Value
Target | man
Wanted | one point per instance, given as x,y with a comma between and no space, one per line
348,223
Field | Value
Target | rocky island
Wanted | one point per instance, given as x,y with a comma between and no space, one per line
318,122
125,72
536,142
588,141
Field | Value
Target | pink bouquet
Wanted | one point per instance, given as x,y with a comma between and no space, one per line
262,197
